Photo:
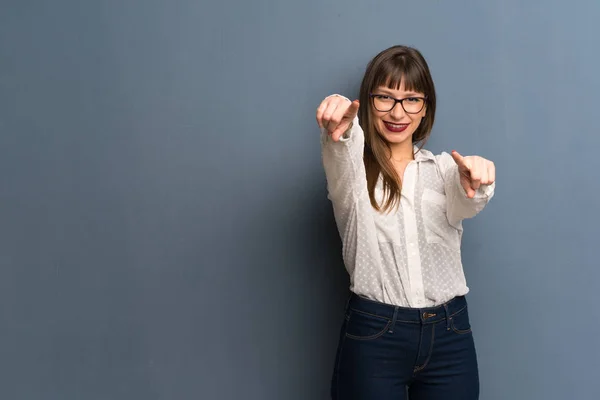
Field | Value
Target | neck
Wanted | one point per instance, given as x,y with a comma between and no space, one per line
402,151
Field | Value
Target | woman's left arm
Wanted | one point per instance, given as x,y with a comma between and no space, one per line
469,183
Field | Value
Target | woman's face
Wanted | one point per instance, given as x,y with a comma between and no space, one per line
397,125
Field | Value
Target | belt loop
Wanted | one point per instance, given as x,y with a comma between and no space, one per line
391,330
347,307
447,317
348,302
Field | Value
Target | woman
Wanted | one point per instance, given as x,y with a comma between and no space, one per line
399,212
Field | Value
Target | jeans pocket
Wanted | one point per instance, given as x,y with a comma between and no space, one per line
460,322
364,326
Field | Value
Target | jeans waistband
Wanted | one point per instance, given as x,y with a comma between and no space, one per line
404,314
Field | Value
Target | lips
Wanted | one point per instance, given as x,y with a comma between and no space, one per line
395,127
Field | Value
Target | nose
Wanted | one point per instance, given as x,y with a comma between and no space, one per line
397,112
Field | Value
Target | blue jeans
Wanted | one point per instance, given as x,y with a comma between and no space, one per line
387,352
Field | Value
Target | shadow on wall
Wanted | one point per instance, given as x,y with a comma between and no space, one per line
291,233
294,281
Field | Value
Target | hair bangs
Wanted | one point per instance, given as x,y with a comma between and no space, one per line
395,72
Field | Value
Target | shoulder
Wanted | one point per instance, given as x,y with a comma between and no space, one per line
426,155
442,161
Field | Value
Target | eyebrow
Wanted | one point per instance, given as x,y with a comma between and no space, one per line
388,92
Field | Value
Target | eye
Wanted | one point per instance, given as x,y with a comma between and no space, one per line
413,99
382,97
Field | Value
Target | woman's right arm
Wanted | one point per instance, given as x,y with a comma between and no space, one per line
342,145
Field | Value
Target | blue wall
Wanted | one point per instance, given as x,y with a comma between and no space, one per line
164,227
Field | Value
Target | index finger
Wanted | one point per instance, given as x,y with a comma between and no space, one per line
458,159
353,109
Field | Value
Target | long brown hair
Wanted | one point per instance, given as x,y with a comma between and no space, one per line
391,68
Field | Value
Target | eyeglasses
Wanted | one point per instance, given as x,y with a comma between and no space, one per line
384,103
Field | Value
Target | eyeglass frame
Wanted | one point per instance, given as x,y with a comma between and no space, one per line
396,101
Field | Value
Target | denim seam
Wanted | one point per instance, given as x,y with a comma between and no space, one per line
459,311
459,331
372,337
405,321
337,367
408,322
419,348
418,369
393,323
367,313
456,330
382,317
341,345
